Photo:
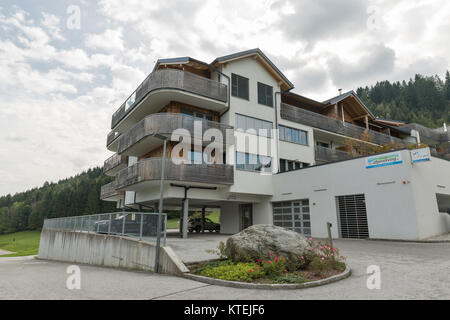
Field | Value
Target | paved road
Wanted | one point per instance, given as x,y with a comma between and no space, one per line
408,271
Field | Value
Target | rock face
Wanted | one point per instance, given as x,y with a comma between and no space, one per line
258,241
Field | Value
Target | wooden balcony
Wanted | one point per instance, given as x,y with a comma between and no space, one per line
174,80
320,121
114,163
109,192
140,139
149,170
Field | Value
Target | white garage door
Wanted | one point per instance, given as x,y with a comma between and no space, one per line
293,215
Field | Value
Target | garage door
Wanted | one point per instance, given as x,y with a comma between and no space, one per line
293,215
352,216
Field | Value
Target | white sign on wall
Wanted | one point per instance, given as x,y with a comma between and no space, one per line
420,155
382,160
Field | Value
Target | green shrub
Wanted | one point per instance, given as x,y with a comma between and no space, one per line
288,278
229,270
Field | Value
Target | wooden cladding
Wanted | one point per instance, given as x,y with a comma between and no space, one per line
320,121
173,79
165,124
150,170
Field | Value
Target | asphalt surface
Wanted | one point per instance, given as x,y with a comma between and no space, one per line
408,271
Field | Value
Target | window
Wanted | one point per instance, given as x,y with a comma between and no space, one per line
252,162
322,144
196,114
293,135
290,165
265,94
245,123
239,86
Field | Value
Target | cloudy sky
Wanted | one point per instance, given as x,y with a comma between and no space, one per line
66,66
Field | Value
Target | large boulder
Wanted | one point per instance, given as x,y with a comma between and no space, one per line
258,241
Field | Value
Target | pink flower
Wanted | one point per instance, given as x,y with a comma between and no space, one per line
269,262
310,239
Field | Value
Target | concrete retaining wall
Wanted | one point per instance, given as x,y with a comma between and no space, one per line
107,250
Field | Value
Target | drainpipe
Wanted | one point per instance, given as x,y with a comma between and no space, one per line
228,87
276,127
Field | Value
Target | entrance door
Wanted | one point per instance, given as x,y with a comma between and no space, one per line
246,213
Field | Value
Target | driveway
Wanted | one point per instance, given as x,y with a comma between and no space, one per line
408,271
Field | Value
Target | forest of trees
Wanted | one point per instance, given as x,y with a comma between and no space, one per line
79,195
423,100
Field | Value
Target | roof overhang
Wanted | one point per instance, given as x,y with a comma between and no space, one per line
283,82
356,104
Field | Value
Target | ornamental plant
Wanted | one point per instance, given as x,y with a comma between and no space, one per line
273,265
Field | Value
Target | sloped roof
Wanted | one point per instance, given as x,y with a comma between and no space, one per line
344,96
256,52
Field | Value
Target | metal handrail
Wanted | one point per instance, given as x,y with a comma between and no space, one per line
140,225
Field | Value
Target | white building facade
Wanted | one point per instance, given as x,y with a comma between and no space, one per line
315,182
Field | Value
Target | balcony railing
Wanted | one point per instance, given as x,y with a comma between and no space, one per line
330,155
150,170
320,121
111,137
114,161
172,79
110,190
437,136
165,124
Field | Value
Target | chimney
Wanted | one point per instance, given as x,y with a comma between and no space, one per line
340,91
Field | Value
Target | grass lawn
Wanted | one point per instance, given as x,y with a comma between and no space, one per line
24,243
175,223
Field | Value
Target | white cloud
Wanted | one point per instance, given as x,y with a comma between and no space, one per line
110,40
59,87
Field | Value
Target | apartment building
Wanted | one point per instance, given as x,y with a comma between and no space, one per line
243,96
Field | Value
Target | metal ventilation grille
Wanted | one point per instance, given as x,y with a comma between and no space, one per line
352,216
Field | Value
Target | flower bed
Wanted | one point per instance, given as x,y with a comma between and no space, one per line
322,261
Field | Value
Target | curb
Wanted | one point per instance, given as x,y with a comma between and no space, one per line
243,285
410,241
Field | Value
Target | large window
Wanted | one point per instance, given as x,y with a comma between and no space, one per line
293,135
239,86
245,123
265,94
253,162
291,165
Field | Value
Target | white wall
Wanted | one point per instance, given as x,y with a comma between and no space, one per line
390,208
427,179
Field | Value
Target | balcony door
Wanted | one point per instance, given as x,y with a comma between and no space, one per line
246,215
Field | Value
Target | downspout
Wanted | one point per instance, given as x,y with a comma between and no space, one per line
276,128
228,89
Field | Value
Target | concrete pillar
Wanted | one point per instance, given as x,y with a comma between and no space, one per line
203,219
185,218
